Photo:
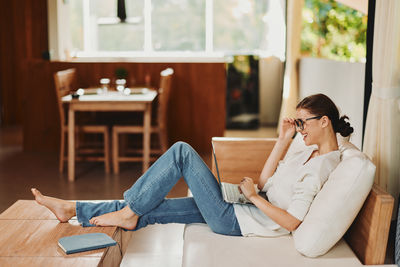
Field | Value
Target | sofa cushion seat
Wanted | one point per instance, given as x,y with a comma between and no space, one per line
202,247
155,245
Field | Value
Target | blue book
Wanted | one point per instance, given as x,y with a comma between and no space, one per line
85,242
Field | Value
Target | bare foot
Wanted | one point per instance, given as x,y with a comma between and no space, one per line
64,210
124,218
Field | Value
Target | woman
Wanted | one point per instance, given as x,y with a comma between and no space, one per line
290,185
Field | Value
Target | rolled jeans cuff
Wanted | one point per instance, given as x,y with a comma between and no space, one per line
131,206
80,215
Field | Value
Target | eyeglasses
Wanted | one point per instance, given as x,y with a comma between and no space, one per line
300,123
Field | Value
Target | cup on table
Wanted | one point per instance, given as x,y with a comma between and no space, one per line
120,85
105,83
127,91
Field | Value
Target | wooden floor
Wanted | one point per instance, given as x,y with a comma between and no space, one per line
19,171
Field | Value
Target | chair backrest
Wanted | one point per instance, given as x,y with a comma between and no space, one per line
65,83
240,157
164,93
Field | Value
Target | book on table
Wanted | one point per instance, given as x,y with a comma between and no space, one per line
85,242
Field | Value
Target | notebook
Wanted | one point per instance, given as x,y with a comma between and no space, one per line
85,242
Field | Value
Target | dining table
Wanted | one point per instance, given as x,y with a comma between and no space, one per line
112,101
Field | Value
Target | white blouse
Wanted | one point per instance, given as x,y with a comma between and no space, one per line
292,187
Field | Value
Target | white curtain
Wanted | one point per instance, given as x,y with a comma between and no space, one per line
382,134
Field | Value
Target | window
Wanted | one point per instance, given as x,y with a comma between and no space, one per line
111,34
155,27
239,25
334,31
178,25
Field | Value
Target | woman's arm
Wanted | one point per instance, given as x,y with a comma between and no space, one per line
280,216
285,137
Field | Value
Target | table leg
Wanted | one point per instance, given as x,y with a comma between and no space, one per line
146,137
71,145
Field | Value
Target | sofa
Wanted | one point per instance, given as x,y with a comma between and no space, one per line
347,224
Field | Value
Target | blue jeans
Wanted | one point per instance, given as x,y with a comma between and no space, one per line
147,196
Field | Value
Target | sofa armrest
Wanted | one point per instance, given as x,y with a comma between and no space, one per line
240,157
368,235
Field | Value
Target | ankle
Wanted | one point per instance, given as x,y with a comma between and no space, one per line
128,212
71,208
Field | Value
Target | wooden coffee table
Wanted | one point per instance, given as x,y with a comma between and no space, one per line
29,237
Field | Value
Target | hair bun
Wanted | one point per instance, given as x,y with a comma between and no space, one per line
343,127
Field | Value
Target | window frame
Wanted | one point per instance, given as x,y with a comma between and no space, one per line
59,48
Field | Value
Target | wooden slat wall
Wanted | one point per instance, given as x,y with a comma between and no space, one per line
23,37
197,108
12,54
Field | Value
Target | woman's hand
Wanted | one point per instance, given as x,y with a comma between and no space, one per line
287,129
247,188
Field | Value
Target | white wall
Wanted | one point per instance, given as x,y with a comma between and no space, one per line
343,82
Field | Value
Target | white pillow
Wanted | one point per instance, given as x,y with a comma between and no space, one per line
337,204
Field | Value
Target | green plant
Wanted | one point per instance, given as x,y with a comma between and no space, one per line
121,73
333,30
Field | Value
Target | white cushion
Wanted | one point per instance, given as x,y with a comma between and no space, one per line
202,247
337,204
155,245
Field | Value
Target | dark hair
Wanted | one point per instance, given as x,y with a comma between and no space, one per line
321,105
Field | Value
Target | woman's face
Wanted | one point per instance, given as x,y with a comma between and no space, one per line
312,128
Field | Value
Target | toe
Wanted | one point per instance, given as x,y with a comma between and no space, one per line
36,192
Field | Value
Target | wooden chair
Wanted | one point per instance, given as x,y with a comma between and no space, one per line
160,127
65,82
